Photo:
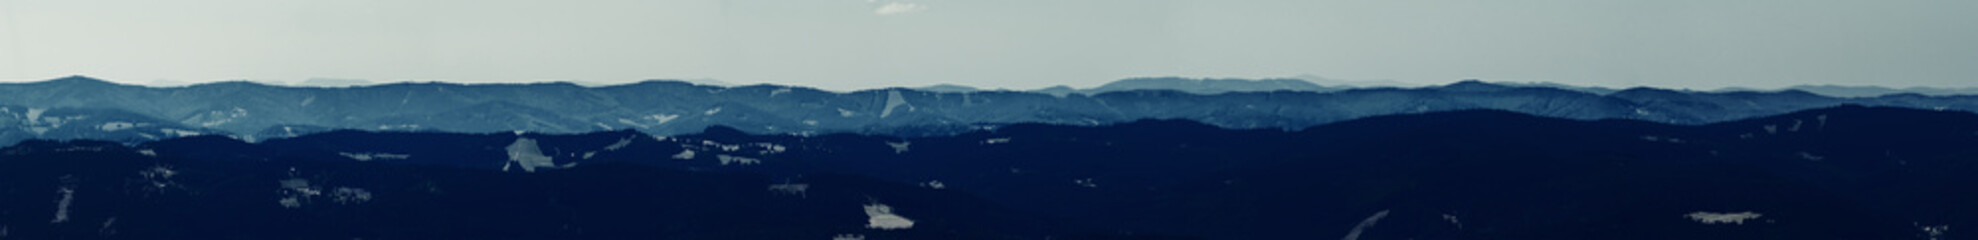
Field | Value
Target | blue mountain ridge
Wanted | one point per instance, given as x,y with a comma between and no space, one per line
253,112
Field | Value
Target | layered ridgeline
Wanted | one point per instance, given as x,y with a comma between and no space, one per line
1836,173
83,108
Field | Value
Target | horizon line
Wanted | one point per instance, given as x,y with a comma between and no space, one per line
1337,84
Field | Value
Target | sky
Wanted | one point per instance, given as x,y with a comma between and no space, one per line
1013,44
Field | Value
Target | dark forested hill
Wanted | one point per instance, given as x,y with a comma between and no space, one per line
1831,173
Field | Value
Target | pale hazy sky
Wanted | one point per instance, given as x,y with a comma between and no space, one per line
1020,44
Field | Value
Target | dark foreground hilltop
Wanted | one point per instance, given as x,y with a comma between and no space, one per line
1834,173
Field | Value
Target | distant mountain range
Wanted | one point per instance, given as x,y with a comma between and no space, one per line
1195,86
1872,91
1321,84
85,108
1846,172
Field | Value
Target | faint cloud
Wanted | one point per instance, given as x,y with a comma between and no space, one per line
893,8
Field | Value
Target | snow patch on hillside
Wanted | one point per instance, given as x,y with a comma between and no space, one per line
770,148
798,189
217,117
1935,232
684,154
1721,218
348,195
663,118
34,115
1364,224
880,216
173,132
524,153
899,147
68,194
1823,122
894,100
618,145
723,147
373,156
297,191
1086,182
399,126
726,159
160,177
115,126
1653,138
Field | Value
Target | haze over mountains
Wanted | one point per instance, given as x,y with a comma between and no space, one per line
85,108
